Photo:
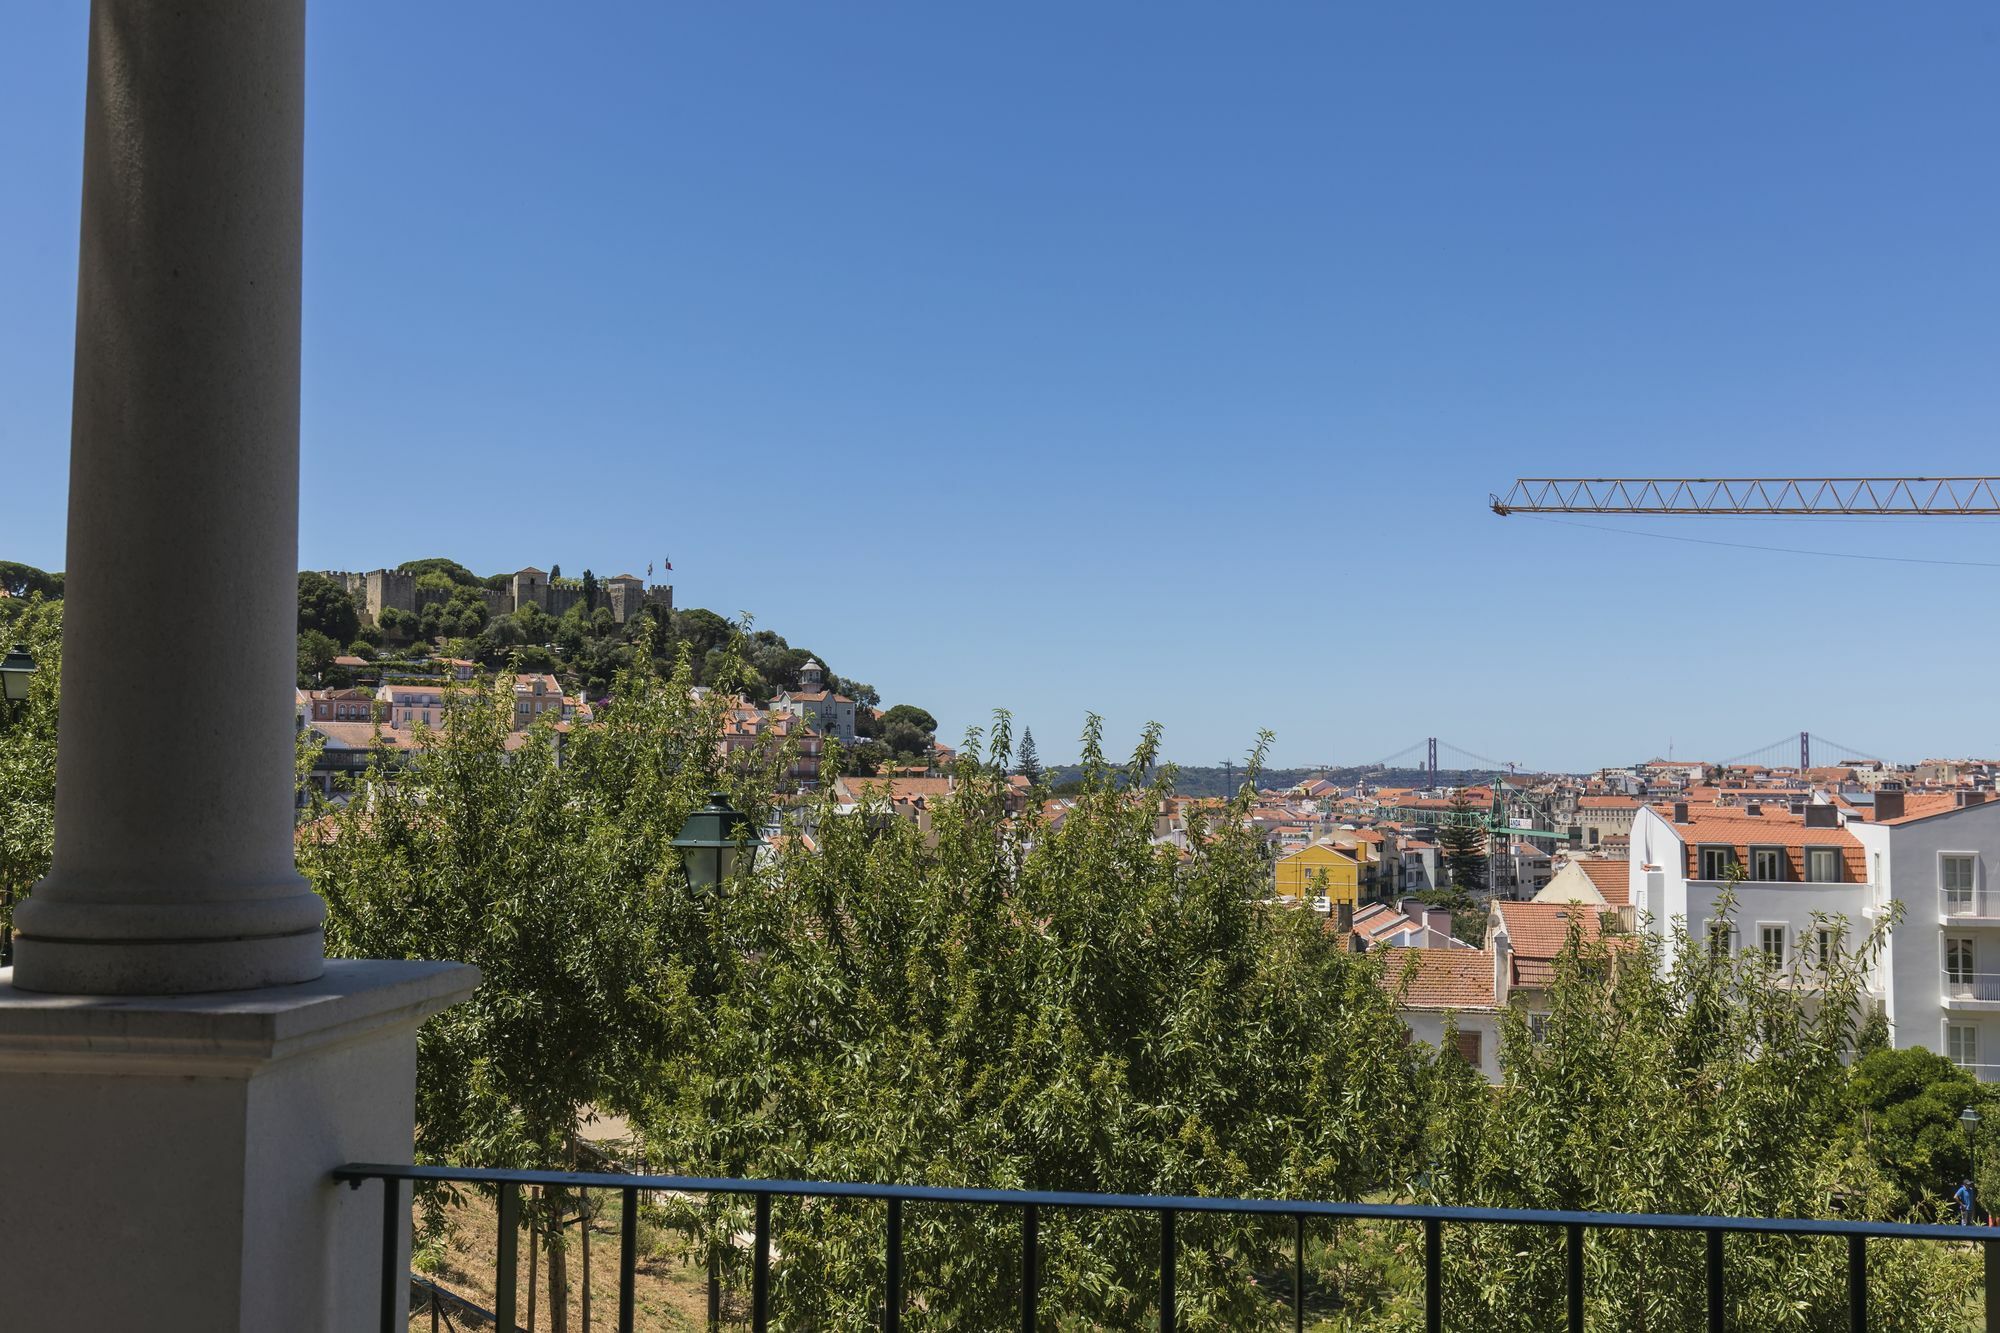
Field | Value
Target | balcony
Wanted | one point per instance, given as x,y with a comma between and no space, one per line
1969,907
1030,1205
1974,991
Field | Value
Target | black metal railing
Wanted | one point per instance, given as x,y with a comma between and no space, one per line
1168,1208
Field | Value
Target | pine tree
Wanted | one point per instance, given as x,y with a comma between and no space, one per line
1463,842
1030,764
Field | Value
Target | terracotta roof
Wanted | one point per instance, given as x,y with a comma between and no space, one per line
857,790
1776,827
1539,930
1611,878
1439,978
1924,804
1607,803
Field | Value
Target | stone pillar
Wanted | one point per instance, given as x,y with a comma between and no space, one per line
170,1117
173,866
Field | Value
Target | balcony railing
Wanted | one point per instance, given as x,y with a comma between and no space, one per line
1973,903
1168,1208
1971,985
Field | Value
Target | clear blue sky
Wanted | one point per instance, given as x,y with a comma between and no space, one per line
1148,358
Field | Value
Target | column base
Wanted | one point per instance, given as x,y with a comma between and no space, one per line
166,1158
66,945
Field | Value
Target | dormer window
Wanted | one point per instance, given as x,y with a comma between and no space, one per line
1716,862
1823,865
1767,863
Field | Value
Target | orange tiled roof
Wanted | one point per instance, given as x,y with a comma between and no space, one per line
1611,878
1777,827
1439,978
1539,930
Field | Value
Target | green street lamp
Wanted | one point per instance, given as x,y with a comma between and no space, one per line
17,669
1968,1120
713,840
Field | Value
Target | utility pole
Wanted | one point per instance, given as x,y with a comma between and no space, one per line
1228,778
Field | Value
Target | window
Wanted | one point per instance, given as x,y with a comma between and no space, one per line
1955,871
1721,939
1961,1043
1467,1046
1823,865
1823,947
1538,1028
1771,939
1715,862
1958,967
1767,863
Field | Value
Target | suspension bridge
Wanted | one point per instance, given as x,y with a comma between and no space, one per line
1798,749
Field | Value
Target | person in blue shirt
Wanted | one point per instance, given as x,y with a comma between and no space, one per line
1964,1197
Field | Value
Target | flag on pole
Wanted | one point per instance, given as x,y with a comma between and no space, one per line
649,569
667,561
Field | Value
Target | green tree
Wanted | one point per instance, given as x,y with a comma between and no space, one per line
912,716
1667,1078
28,754
450,570
559,880
1462,839
19,580
589,591
1028,763
316,654
993,1000
326,607
1907,1105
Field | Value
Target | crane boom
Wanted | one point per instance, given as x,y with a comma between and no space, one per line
1953,497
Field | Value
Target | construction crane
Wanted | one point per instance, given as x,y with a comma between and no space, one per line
1937,497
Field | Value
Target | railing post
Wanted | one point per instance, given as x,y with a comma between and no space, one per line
760,1275
1574,1269
1992,1249
892,1310
628,1256
1298,1273
1857,1283
1715,1287
504,1262
1030,1227
1433,1275
392,1232
1167,1262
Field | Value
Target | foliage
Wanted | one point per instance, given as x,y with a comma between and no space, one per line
19,580
1906,1106
316,654
1028,764
1671,1079
28,751
1462,840
451,571
1001,1003
326,608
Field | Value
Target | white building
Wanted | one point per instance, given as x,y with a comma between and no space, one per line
1815,869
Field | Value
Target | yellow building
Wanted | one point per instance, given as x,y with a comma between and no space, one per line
1319,871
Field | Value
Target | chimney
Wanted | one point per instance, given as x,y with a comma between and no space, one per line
1680,812
1753,808
1343,916
1799,807
1966,798
1355,944
1438,920
1888,805
1828,816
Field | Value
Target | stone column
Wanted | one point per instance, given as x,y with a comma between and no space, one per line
173,866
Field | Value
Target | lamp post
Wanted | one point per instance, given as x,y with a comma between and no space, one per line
1968,1120
17,670
712,841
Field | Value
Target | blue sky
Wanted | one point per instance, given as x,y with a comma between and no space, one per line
1151,359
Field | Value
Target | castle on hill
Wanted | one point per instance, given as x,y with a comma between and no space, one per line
624,594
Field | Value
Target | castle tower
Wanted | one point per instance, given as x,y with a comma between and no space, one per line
528,586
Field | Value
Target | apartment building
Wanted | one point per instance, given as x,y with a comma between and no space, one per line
1816,869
